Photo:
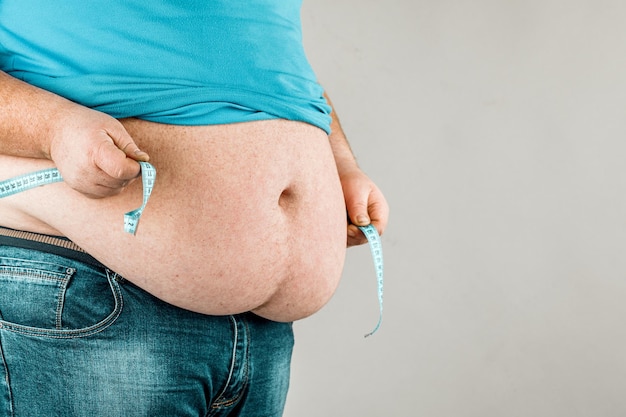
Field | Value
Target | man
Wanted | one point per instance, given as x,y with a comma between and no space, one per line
244,233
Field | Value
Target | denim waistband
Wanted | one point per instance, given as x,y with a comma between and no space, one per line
58,245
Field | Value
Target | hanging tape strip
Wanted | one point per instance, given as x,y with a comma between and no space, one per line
131,219
376,248
148,176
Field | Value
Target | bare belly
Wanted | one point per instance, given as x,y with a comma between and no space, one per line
243,217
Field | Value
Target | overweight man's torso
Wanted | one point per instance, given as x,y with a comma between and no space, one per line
243,217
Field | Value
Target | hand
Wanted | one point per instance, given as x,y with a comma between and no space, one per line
93,152
365,204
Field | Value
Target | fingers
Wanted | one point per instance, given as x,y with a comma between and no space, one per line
94,153
114,167
366,205
356,237
98,191
357,205
132,151
358,215
378,211
115,164
125,143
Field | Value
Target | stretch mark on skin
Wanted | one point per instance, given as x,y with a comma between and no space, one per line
131,219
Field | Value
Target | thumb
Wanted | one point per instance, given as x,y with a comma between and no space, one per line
357,209
113,161
126,144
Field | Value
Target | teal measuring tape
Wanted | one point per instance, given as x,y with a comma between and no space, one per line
28,181
376,248
131,219
51,175
148,176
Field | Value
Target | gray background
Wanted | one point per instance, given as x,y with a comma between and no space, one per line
497,131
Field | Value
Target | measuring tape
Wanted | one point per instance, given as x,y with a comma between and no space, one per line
148,176
376,248
28,181
131,219
51,175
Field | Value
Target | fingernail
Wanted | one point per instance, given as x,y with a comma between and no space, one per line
351,233
141,154
362,219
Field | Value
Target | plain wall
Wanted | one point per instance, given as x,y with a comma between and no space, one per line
497,131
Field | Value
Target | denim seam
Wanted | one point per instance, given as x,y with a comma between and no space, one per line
7,379
220,402
78,333
45,277
217,404
61,300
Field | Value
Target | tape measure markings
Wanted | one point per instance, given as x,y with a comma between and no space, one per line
376,248
148,177
27,181
51,175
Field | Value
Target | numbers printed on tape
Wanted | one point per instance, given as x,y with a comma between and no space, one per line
28,181
51,175
148,176
376,248
131,219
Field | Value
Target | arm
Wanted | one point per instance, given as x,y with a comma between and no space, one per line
92,150
364,200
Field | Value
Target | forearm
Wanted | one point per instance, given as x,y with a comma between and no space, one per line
339,144
93,151
27,116
364,201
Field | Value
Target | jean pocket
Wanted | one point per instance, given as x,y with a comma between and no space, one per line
56,300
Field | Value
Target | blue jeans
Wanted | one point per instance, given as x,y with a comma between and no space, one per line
79,340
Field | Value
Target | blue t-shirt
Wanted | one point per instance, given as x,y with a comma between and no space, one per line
189,62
